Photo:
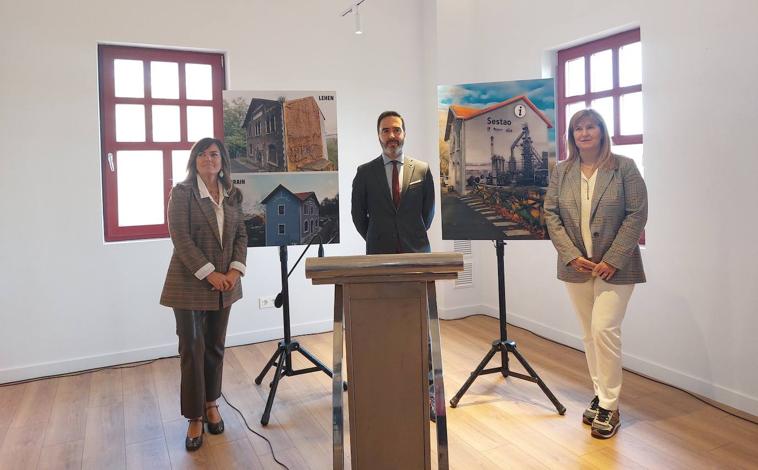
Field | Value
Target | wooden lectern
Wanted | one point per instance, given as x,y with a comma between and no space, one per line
389,306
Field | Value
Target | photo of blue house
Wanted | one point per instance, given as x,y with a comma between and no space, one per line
291,218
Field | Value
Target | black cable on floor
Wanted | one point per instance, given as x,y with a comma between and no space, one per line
624,368
252,431
145,363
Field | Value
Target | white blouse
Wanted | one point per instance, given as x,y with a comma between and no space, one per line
588,188
218,208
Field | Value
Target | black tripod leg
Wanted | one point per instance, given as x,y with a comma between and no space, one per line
270,363
272,393
319,364
505,367
474,375
558,406
315,361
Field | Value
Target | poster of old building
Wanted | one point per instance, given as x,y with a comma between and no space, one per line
497,146
283,150
281,131
290,208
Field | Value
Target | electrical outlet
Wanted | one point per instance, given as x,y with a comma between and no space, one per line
266,302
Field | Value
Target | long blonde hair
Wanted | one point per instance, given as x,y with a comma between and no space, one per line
606,159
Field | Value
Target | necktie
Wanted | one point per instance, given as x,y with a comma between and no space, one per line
395,185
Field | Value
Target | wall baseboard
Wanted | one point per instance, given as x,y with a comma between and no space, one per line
637,364
457,313
78,364
720,394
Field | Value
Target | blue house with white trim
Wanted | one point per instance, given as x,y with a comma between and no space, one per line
291,218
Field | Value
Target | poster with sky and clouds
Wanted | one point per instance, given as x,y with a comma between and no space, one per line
497,146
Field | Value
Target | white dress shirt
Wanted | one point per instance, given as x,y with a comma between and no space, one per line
388,171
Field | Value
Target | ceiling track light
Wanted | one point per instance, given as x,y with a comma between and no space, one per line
355,10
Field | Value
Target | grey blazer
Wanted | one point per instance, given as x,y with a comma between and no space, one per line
617,217
194,232
374,213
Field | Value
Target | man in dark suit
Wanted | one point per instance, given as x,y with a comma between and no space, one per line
393,195
393,200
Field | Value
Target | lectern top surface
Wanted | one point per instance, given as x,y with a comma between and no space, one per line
399,264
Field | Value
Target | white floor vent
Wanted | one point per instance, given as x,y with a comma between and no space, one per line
465,278
462,246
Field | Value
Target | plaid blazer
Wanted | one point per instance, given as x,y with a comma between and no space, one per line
617,217
194,232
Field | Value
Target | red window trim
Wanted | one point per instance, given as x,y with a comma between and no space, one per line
108,100
586,50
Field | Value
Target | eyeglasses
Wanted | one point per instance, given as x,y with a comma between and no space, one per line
211,155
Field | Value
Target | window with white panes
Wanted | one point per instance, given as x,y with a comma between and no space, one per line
606,75
154,104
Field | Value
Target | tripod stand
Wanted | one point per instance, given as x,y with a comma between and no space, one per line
505,346
282,357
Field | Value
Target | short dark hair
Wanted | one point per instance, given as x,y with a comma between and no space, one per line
388,114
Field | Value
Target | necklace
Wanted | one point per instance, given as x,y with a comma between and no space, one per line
587,168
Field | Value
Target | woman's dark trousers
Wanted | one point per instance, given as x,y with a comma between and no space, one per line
201,350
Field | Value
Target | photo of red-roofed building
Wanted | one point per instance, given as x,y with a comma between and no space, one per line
291,209
506,141
497,145
291,218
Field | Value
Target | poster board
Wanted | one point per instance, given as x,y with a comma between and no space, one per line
283,151
497,146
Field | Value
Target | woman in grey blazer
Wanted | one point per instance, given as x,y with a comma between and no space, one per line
210,247
595,210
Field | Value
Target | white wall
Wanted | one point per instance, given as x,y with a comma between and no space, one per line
68,301
694,323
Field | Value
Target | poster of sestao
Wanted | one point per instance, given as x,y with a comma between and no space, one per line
497,146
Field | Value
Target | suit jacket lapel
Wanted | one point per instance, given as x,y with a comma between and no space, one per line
230,222
408,165
574,181
602,180
206,207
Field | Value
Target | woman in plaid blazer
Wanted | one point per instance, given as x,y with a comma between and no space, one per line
595,210
210,247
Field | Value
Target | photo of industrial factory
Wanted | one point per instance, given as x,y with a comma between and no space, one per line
497,146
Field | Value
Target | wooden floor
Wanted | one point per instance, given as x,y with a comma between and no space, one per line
129,418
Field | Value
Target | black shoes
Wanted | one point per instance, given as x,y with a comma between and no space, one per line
194,443
214,428
591,411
